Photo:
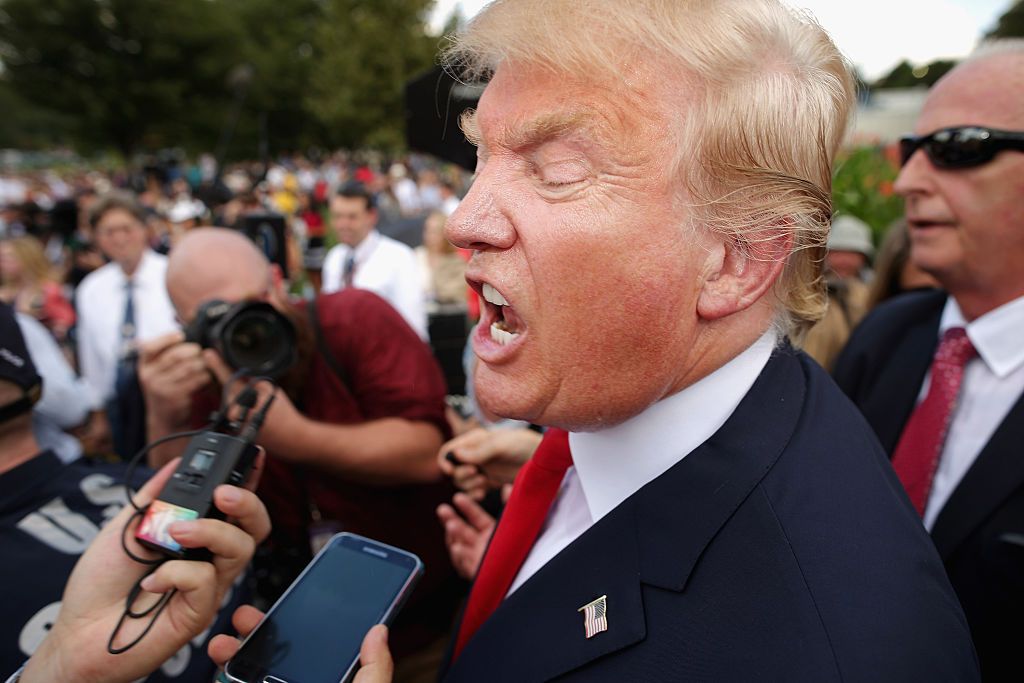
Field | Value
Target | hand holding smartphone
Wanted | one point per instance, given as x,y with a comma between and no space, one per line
314,632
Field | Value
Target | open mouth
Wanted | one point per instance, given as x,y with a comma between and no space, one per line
505,325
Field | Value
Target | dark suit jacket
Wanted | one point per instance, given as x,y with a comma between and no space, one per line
781,549
980,531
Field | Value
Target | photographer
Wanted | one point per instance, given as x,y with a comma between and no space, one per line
353,441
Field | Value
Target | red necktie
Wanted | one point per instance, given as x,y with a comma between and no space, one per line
535,489
917,454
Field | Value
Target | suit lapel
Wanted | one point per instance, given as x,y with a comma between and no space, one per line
655,537
996,473
537,633
895,395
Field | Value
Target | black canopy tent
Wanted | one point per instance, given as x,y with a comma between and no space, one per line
434,101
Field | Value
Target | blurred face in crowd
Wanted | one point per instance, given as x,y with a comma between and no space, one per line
351,219
966,224
580,250
122,237
846,264
10,265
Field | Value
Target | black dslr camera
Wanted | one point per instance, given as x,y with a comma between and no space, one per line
250,335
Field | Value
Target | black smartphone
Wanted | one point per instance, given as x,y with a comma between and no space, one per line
313,633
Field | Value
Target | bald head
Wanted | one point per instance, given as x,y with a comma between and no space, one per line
215,263
989,85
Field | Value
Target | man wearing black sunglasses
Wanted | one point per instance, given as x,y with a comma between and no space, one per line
940,376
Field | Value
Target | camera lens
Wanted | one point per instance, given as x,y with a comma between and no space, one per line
259,340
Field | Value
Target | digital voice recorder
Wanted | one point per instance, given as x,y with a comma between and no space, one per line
210,460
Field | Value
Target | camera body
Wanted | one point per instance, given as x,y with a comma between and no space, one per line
249,335
210,460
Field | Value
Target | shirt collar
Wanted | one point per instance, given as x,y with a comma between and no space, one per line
145,271
366,247
996,335
614,463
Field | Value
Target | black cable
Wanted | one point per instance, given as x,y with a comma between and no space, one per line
156,608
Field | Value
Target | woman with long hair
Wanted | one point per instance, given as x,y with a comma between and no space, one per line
29,283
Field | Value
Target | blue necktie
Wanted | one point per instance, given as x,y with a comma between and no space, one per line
350,266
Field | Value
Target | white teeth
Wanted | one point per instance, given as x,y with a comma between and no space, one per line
501,336
491,295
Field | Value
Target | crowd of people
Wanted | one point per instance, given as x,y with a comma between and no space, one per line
650,480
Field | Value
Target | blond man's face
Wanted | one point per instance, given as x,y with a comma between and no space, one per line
573,223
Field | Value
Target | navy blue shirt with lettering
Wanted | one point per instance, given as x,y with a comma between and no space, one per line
49,513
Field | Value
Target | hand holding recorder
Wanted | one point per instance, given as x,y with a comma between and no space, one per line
94,599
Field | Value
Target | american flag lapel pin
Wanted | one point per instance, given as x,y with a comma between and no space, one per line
595,616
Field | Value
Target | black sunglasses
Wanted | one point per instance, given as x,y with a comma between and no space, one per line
961,146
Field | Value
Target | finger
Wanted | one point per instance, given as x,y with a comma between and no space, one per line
222,648
152,488
474,514
245,619
154,347
474,485
231,547
506,492
217,365
245,508
375,658
195,583
446,465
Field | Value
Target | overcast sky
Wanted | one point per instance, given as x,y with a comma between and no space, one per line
874,34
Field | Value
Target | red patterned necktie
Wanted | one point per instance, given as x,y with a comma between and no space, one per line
535,489
917,454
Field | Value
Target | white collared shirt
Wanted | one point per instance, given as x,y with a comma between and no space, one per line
612,464
387,268
100,301
992,383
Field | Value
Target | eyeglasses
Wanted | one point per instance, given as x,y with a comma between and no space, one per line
961,146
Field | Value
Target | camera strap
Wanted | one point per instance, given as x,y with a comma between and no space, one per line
325,351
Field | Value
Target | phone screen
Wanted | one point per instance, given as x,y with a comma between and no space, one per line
314,632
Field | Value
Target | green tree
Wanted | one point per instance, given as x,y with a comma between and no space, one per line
906,75
1011,24
365,50
278,43
130,74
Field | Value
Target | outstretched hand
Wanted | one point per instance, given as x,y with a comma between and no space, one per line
466,533
95,595
487,458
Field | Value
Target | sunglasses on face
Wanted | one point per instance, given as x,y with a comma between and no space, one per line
962,146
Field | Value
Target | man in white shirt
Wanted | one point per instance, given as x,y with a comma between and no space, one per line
941,378
366,259
119,305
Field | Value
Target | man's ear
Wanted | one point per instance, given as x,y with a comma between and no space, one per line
739,274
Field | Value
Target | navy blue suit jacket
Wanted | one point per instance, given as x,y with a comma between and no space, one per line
782,549
980,531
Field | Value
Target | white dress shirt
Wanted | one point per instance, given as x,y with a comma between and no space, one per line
612,464
100,301
65,399
992,383
387,268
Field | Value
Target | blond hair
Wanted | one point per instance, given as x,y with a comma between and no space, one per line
765,107
29,251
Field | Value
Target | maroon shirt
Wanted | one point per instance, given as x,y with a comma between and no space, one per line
391,373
